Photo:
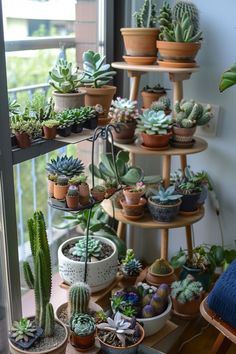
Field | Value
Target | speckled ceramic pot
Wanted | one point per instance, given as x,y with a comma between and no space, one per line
100,274
163,213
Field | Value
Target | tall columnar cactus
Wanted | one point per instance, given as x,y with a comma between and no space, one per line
41,279
147,15
79,296
190,114
191,9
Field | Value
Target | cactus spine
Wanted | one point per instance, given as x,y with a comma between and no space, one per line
79,296
188,7
41,279
146,16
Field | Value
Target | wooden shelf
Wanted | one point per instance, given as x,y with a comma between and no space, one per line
147,222
200,145
151,68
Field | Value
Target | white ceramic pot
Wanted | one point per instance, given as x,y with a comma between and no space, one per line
100,274
154,324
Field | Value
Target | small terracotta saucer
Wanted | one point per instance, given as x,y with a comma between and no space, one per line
189,213
173,64
134,217
184,145
139,60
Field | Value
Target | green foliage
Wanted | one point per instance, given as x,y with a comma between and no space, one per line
152,122
64,165
13,106
163,104
31,126
165,196
147,15
65,119
160,266
50,123
41,107
186,290
182,7
23,330
187,183
42,271
189,114
96,73
82,324
129,256
228,78
165,19
94,248
123,110
79,296
79,115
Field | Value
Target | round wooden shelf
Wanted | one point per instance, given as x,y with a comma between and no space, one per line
151,68
147,222
135,148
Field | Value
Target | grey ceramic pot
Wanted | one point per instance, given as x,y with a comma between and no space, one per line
163,213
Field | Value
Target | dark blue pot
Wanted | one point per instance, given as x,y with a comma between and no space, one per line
91,123
77,128
189,202
26,345
204,277
163,213
203,195
64,131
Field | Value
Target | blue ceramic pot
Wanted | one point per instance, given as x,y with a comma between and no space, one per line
189,202
163,213
204,277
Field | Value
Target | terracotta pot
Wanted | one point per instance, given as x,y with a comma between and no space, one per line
178,51
140,42
68,100
190,308
127,280
98,195
116,199
84,200
83,343
83,189
51,188
156,140
60,191
183,135
132,198
72,202
49,133
158,279
149,97
110,191
135,209
163,213
126,133
23,140
102,96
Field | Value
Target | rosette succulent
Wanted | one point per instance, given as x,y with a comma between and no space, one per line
64,165
23,330
94,248
165,196
152,122
123,110
186,290
82,324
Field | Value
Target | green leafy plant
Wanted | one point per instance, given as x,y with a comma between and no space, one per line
165,196
162,104
190,114
186,290
123,110
152,122
147,15
41,107
96,72
65,119
79,296
64,165
13,106
228,78
31,127
186,183
94,249
23,329
82,324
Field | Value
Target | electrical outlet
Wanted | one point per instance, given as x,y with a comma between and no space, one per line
210,129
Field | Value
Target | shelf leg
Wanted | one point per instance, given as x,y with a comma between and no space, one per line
135,80
132,159
189,240
177,79
121,230
183,162
166,170
164,243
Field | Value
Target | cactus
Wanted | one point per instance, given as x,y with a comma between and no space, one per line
165,19
79,296
186,290
152,122
64,165
62,180
123,110
82,324
72,191
147,15
160,266
163,104
190,114
94,248
182,7
41,281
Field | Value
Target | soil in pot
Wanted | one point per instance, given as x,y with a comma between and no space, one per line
163,213
23,140
49,133
156,141
140,42
126,132
106,252
150,97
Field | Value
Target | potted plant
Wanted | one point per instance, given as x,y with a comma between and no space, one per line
203,180
130,269
102,261
24,333
119,335
164,204
133,194
149,304
65,123
66,166
82,331
151,94
65,80
25,130
162,104
97,75
83,188
50,128
189,115
41,282
72,197
98,192
123,114
51,182
133,211
155,128
186,297
160,272
179,38
61,187
14,109
90,117
140,42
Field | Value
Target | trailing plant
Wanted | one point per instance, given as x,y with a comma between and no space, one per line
72,191
165,196
94,249
162,104
190,114
228,78
123,110
79,296
50,123
96,72
41,279
182,7
152,122
147,15
82,324
23,330
64,78
160,266
64,165
154,89
186,290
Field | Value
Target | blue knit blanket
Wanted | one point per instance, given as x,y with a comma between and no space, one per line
222,298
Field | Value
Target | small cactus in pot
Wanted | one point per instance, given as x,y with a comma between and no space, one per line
61,187
51,182
160,272
163,104
72,197
151,94
130,268
98,192
82,331
133,194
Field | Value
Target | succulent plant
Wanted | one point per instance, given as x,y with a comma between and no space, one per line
62,180
65,119
94,248
100,316
190,114
147,15
152,122
165,19
82,324
50,123
52,178
99,188
21,124
186,290
64,165
64,77
160,266
165,196
79,296
13,106
72,191
41,107
132,267
182,7
23,330
162,104
186,182
96,72
228,78
123,110
129,256
154,89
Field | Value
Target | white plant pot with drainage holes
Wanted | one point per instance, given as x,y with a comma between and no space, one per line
100,274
